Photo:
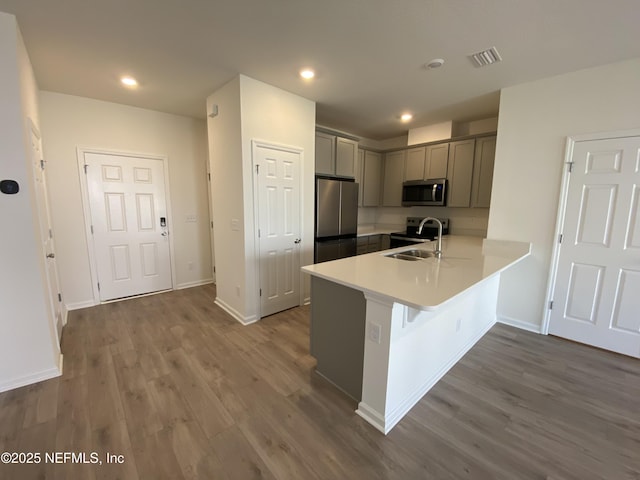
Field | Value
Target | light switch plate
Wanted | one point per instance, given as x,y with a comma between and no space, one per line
375,332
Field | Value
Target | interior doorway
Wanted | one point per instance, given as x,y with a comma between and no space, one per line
597,260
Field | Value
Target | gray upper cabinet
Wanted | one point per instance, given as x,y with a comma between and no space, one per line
360,175
428,162
335,156
393,177
371,178
414,165
483,171
460,173
437,159
346,157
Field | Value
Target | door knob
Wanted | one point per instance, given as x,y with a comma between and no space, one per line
51,255
164,234
297,240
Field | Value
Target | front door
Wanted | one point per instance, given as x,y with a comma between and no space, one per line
597,289
279,227
129,224
46,230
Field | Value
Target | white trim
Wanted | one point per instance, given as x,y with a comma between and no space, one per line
522,325
235,314
197,283
255,144
34,377
562,207
86,209
80,305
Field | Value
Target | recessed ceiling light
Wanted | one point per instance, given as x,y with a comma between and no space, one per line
405,117
435,63
307,74
129,81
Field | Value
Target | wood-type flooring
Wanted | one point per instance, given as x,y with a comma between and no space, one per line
179,390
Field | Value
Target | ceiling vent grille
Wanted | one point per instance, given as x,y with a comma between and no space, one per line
486,57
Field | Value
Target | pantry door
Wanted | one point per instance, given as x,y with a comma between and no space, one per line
278,206
129,224
596,299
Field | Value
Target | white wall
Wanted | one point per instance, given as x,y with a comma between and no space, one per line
69,122
273,115
28,341
535,120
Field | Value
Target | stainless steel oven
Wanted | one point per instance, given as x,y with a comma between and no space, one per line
410,235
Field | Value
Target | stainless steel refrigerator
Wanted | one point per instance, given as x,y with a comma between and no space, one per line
336,219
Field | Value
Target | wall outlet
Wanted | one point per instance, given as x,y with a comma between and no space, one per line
458,324
235,224
190,265
375,332
238,290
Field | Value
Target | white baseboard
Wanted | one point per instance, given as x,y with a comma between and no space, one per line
385,423
79,305
235,314
514,322
197,283
33,377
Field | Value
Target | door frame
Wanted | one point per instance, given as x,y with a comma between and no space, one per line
255,144
562,208
86,210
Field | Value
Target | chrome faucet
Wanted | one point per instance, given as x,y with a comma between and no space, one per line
438,250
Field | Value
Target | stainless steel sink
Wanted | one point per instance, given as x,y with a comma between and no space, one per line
412,254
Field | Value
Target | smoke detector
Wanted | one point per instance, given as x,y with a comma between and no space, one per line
485,57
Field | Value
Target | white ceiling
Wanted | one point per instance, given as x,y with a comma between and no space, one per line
368,54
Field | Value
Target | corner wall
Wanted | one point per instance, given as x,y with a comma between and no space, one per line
534,122
28,341
68,122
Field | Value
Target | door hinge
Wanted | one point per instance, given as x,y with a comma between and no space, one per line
85,168
211,223
570,166
91,229
50,234
560,237
214,269
260,292
98,286
258,233
258,169
42,164
209,176
59,298
551,305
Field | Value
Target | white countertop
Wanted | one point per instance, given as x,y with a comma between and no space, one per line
424,284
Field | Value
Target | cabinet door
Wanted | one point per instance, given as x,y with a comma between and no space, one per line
346,155
436,163
393,178
460,173
371,178
359,175
373,245
414,167
483,171
325,154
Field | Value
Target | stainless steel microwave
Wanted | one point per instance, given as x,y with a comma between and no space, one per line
424,192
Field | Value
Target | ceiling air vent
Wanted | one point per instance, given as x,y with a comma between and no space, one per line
486,57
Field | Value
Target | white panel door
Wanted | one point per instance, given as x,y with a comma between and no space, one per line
597,290
279,228
129,223
46,230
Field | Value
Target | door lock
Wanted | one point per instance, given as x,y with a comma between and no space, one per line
164,234
51,255
297,240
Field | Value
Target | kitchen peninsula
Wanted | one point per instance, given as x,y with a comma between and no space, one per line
385,329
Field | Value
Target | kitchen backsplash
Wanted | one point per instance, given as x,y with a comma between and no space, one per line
464,221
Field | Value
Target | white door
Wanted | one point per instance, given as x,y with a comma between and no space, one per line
278,184
129,224
46,230
597,289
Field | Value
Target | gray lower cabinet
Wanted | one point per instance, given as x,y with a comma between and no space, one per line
460,173
371,243
338,315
